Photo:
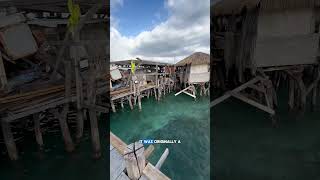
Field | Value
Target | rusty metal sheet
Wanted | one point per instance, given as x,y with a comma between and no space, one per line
18,41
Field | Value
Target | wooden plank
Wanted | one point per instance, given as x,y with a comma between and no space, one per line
35,110
253,103
238,89
3,77
152,173
122,176
139,153
182,91
117,164
148,151
162,158
31,95
189,94
117,143
131,163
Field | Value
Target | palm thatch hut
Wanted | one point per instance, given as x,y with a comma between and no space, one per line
194,70
267,38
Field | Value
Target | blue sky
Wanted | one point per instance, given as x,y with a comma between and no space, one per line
135,16
159,30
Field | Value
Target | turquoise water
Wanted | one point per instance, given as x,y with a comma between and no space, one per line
174,117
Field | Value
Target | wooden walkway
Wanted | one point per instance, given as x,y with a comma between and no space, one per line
117,165
131,161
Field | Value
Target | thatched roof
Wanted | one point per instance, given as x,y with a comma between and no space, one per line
195,58
235,6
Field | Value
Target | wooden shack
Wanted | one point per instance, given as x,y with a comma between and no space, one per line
267,38
146,79
65,85
192,71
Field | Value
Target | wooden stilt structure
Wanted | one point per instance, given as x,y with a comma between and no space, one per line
9,140
37,130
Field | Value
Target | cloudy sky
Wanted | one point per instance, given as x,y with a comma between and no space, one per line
162,30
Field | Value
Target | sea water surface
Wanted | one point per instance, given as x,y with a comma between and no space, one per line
174,117
53,162
171,118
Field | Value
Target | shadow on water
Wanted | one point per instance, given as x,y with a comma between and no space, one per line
248,147
53,162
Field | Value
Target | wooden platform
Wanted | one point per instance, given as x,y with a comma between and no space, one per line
130,161
117,165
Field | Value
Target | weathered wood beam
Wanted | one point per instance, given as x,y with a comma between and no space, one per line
9,140
131,162
91,95
62,117
3,76
151,172
162,158
238,89
148,151
117,143
37,129
253,103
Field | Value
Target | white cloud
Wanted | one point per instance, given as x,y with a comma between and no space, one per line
187,30
116,3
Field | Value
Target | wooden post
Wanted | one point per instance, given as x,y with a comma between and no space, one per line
91,92
79,89
157,85
62,117
3,77
148,93
37,130
155,93
121,101
130,101
139,102
314,97
9,140
134,100
113,106
291,94
162,158
95,134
